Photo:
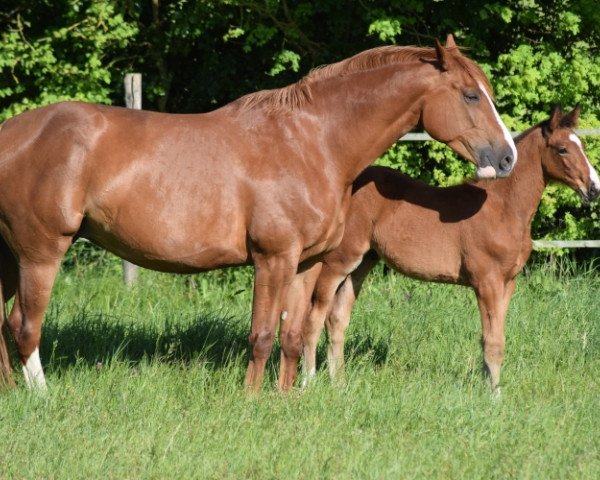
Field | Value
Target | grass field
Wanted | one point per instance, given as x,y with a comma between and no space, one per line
148,384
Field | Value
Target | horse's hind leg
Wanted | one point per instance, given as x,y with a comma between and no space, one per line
25,319
339,316
324,291
8,282
332,276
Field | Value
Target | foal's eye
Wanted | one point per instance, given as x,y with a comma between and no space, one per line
471,97
562,150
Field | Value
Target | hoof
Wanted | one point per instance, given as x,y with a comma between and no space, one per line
496,394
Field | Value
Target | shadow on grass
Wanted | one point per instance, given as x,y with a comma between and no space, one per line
92,338
366,348
215,339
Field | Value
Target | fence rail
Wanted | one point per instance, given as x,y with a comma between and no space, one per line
566,243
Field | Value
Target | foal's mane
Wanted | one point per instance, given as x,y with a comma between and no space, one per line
299,93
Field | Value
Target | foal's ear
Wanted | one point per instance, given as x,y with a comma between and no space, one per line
443,57
450,43
553,122
571,119
555,116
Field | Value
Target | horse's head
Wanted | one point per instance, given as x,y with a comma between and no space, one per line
458,110
564,159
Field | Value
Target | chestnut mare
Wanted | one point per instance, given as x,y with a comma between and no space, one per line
476,234
264,180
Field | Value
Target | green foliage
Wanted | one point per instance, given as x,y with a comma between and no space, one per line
73,56
386,29
283,58
196,56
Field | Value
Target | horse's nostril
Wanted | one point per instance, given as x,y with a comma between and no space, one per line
506,162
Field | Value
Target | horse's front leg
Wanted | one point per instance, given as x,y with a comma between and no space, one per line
292,320
25,320
272,279
493,298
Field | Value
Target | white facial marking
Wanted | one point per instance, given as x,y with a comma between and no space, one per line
283,315
34,374
593,174
505,131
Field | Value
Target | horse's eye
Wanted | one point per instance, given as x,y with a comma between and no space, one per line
471,97
562,151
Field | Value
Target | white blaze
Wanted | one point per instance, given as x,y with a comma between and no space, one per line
34,374
505,131
593,174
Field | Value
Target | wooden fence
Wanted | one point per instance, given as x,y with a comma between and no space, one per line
133,99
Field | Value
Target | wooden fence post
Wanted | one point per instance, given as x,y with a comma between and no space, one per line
133,99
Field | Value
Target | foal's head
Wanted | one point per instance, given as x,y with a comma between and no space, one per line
564,159
458,110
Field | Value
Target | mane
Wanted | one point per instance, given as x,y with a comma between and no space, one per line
299,93
530,130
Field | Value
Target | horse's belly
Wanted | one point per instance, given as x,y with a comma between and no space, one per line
428,257
181,248
430,269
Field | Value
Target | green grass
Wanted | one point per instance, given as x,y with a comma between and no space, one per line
148,384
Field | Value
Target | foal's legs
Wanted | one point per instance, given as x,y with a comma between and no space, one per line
339,317
290,330
324,292
332,275
493,298
273,276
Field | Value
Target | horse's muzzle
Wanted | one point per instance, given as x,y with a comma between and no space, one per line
591,194
494,163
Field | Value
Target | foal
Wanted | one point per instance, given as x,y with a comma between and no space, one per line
476,234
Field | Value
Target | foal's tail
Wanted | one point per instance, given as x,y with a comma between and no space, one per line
6,378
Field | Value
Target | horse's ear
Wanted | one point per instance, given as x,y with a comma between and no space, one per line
571,119
443,57
555,116
553,122
450,43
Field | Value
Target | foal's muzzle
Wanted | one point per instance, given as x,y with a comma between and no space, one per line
494,163
590,194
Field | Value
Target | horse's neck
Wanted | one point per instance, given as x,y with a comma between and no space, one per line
522,190
364,113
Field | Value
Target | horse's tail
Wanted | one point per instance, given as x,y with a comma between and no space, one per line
6,377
